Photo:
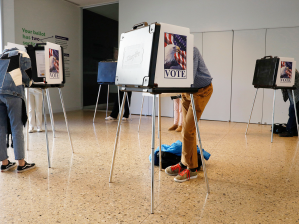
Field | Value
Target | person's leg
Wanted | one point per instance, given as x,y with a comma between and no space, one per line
189,149
291,128
180,114
3,132
115,110
176,105
31,111
38,110
127,109
176,169
14,110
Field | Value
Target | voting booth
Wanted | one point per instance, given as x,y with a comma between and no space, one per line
156,58
274,73
106,76
47,64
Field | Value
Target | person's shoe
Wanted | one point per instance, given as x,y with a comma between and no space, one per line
110,118
174,170
173,127
179,129
285,134
39,129
185,175
31,130
9,166
125,118
27,166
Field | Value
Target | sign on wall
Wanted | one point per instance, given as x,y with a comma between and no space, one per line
31,37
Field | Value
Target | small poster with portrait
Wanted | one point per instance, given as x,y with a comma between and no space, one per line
286,72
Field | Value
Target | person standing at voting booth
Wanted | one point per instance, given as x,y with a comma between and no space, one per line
291,129
15,72
35,110
187,168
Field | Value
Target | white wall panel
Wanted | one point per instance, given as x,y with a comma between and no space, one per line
248,47
282,42
217,54
198,40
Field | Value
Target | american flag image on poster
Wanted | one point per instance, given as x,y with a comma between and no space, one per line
175,60
54,63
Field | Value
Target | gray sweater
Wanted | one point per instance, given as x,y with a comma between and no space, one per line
201,74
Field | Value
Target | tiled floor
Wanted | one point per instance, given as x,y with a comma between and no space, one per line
251,179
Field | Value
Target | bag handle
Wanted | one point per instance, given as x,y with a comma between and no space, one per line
139,25
267,57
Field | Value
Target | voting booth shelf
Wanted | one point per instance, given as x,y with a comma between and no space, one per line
274,73
156,58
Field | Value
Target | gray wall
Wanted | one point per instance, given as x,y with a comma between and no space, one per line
54,17
231,35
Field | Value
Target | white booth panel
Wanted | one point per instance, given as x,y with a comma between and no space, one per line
283,42
249,46
217,54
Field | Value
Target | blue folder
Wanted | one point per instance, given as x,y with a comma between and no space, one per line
106,72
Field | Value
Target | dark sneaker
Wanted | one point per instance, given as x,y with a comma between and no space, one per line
285,134
174,170
9,166
185,175
27,166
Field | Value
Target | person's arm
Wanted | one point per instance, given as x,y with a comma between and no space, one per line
25,66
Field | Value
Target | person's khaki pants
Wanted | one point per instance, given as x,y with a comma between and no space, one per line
189,150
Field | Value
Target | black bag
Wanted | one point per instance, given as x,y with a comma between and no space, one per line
279,128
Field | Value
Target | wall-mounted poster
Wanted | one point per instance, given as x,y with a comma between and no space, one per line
53,63
175,51
286,72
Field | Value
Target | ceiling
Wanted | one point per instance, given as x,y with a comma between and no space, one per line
91,3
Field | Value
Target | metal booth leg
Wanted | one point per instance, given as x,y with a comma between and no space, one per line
273,116
50,112
200,146
153,151
107,100
46,130
141,113
294,100
118,99
120,117
159,131
95,111
251,111
65,117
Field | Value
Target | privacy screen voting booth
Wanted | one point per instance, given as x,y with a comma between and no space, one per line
156,58
274,73
48,72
